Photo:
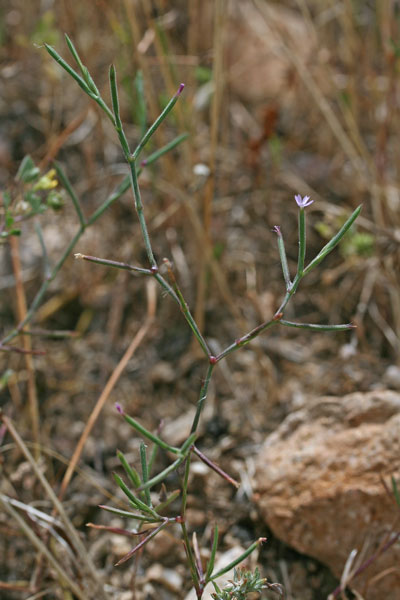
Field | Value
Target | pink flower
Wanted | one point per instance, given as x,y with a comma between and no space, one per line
303,202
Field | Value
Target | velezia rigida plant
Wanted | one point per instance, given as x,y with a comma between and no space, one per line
149,515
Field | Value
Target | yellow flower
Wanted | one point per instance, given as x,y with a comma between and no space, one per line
47,182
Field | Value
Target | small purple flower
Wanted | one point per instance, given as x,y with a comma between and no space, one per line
303,202
119,408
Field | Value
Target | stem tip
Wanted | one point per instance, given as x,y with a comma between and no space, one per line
277,230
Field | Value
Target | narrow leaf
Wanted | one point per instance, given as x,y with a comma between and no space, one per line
315,327
170,146
136,503
118,530
127,514
84,70
211,562
282,255
238,560
163,474
130,471
115,105
133,423
115,195
334,241
54,54
62,176
88,78
27,171
157,123
74,53
125,489
145,472
141,102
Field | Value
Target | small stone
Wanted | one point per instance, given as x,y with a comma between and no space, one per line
392,377
162,372
196,517
169,578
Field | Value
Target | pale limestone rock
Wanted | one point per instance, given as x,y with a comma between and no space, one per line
319,488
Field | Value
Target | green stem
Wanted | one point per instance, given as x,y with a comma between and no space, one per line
202,397
139,210
186,446
191,560
186,312
165,285
248,337
302,243
185,484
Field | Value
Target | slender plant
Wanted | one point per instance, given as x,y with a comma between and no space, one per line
143,510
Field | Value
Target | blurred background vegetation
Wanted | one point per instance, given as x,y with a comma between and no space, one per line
298,96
